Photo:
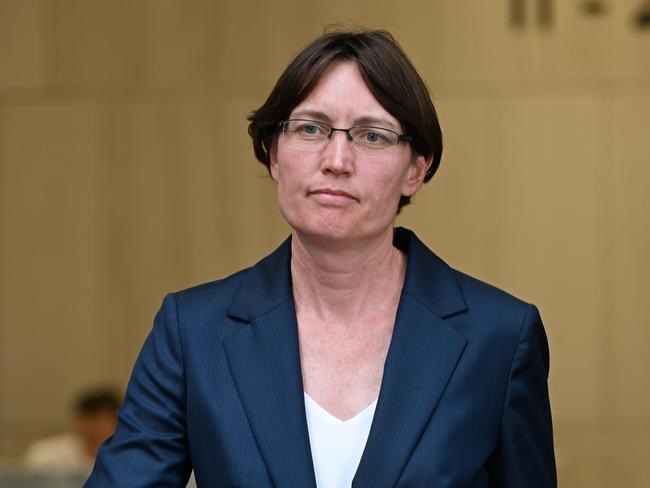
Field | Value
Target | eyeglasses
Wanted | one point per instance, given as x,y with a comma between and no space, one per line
311,135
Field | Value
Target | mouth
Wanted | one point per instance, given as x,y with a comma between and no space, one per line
332,194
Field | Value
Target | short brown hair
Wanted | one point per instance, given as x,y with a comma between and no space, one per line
388,73
97,400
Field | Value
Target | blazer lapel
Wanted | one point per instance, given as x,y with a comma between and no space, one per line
264,360
423,354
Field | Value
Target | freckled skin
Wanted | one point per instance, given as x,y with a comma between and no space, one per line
347,276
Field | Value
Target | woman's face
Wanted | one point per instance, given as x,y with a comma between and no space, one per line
335,193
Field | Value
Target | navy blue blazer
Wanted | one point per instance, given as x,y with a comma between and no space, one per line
218,388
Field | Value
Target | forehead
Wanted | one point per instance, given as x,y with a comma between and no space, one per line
341,95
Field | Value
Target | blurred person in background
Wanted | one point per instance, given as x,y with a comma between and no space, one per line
93,420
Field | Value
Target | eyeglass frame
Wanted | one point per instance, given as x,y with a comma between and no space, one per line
400,137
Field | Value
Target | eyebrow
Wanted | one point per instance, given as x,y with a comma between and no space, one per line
363,120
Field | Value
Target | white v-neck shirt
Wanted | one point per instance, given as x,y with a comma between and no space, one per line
336,445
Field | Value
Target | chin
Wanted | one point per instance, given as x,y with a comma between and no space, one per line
339,234
325,229
333,225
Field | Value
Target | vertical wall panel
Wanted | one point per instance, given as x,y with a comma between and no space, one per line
630,172
230,211
550,231
183,43
50,344
97,43
21,53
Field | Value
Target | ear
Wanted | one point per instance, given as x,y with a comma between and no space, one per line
415,174
273,161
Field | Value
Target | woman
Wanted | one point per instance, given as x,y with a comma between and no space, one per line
352,355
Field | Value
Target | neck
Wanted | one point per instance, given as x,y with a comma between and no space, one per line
341,284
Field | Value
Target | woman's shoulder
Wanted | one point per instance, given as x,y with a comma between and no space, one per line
494,309
213,295
265,281
477,291
450,291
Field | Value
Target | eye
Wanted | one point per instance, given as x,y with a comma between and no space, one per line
372,136
309,129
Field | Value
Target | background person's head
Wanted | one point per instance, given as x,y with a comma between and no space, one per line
95,417
386,71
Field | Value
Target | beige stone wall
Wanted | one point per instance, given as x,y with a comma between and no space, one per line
126,172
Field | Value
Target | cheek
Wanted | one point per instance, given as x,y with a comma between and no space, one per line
282,161
385,191
390,178
290,172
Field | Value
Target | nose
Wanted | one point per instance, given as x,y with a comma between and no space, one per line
338,156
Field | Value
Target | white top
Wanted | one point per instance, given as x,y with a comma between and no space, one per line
336,445
58,454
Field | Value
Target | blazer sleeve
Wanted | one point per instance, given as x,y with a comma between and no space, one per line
149,446
524,455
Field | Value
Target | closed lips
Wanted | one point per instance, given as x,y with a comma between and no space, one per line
333,192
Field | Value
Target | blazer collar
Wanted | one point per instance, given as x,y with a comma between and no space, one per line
266,285
428,279
264,360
